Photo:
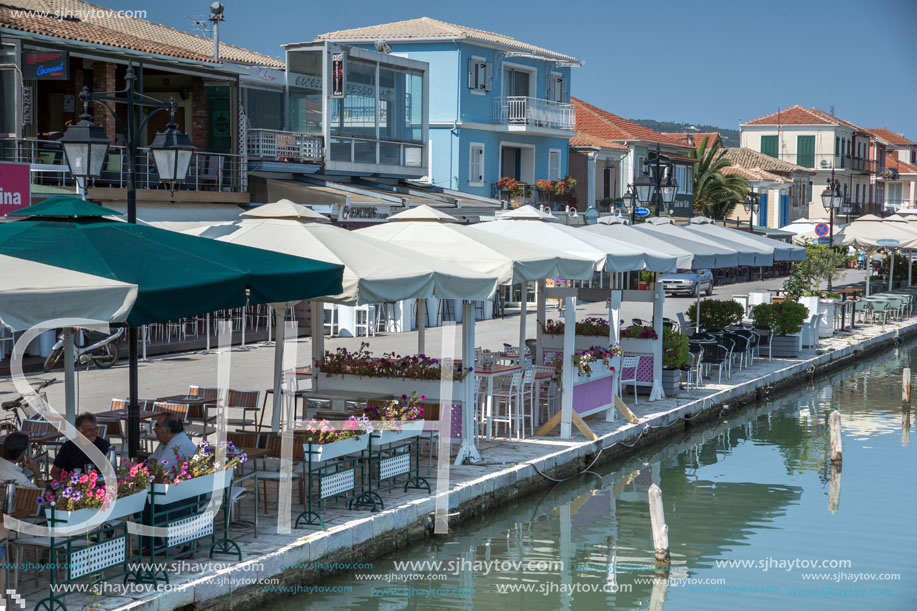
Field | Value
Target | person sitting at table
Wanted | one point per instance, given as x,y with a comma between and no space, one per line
173,441
71,456
14,458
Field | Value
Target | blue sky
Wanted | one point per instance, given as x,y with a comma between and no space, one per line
707,61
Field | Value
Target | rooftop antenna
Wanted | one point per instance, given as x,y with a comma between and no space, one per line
216,16
832,110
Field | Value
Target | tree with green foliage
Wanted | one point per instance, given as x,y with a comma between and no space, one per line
823,263
716,194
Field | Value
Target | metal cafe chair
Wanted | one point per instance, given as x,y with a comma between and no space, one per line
630,363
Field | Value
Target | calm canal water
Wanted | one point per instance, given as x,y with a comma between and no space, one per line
756,489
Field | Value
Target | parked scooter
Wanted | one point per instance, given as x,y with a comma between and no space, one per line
103,351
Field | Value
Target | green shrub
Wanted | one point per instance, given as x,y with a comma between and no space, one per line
675,353
716,314
783,318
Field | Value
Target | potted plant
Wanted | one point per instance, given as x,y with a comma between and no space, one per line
638,339
77,497
675,355
398,419
588,332
195,475
586,363
785,322
606,203
324,442
716,314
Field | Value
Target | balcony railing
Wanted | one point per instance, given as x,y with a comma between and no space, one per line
207,172
278,145
534,112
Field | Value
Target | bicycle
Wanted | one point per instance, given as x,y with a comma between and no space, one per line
11,421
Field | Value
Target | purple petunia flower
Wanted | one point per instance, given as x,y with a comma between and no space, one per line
67,492
77,495
55,485
40,500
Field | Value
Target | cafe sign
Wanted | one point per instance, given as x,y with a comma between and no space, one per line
15,187
45,65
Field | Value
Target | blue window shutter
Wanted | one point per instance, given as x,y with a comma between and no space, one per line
762,211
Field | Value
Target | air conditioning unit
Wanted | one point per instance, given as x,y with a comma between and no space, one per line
825,164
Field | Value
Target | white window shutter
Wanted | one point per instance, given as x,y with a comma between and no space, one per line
488,76
472,74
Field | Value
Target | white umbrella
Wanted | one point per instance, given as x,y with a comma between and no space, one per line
615,228
870,233
750,251
707,253
33,293
374,272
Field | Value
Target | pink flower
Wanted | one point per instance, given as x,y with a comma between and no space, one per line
84,479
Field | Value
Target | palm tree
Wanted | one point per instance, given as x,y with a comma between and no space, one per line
715,194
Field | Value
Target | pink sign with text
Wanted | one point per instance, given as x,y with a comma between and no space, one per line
14,187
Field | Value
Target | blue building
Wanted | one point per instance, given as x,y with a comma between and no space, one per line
498,107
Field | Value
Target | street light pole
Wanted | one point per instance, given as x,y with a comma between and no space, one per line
652,189
85,145
831,199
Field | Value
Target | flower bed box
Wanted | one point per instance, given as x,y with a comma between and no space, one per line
581,342
786,346
122,507
637,345
411,428
394,386
170,493
336,449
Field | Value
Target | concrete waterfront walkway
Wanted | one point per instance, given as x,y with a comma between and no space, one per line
272,560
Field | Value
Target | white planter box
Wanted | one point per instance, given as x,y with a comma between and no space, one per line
632,345
327,451
392,386
581,342
170,493
599,371
409,429
828,309
787,346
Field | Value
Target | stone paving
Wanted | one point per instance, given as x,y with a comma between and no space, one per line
510,468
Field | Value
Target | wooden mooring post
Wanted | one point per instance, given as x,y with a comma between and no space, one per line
660,530
906,385
834,422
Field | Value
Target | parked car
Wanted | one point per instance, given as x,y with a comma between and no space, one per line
686,282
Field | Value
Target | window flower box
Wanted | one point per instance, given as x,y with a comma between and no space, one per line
327,451
409,429
205,484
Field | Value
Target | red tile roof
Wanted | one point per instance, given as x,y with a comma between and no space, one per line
696,137
890,136
794,115
902,167
608,126
593,141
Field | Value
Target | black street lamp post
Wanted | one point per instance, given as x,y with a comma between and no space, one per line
831,199
630,202
654,189
85,145
752,204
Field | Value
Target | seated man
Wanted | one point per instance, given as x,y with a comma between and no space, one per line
174,446
170,431
14,455
71,456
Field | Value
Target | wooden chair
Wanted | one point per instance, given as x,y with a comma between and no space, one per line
247,401
199,412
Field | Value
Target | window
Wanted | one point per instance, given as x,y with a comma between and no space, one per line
557,88
857,198
516,82
811,187
479,74
553,164
769,145
684,176
837,146
263,108
476,164
8,100
805,151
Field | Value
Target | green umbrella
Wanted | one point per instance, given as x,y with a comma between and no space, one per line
177,275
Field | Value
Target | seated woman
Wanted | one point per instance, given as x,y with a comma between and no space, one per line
71,456
12,461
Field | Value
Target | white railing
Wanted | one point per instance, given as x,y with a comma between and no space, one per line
521,110
284,146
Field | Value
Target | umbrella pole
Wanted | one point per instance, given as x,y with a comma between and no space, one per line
133,412
278,365
421,326
891,270
909,270
69,375
523,314
540,315
467,450
697,307
868,269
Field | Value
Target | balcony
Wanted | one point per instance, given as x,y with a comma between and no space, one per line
522,112
216,172
276,145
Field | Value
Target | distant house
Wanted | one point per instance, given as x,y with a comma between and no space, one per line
894,169
813,138
900,184
499,107
782,186
623,150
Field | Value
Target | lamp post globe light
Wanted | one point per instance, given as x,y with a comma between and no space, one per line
752,205
654,189
832,200
630,202
85,145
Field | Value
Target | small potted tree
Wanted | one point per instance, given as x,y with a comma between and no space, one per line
785,322
675,355
716,314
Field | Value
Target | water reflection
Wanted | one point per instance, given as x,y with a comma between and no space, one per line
751,488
